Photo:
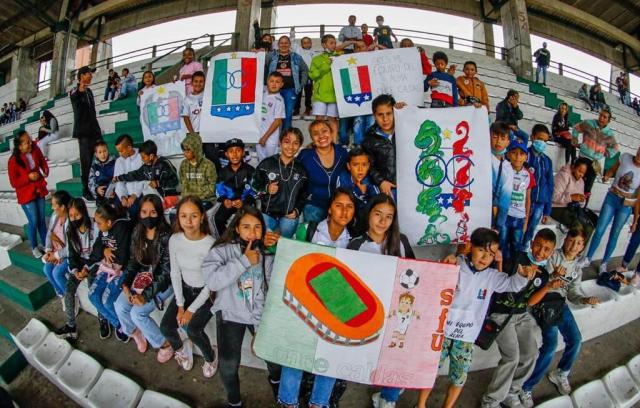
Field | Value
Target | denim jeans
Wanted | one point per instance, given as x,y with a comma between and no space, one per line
34,210
286,226
139,316
511,236
632,247
290,388
103,295
109,92
612,209
542,68
57,275
390,394
344,129
314,213
535,215
572,342
126,89
289,95
360,126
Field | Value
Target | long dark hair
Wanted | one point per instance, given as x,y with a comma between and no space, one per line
63,198
148,253
72,231
230,235
16,153
391,245
205,228
47,117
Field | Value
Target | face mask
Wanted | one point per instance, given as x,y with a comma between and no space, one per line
534,261
150,222
499,152
76,223
539,145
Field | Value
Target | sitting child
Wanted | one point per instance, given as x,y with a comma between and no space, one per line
101,172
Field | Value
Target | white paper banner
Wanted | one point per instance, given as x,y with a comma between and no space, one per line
359,78
160,110
232,105
443,174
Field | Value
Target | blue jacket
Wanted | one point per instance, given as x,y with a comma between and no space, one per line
542,169
320,183
345,180
299,69
101,173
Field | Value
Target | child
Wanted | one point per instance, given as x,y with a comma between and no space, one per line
307,53
280,182
158,171
566,263
55,248
273,114
502,173
324,95
129,84
477,282
542,168
444,91
81,235
234,184
188,246
193,102
129,160
472,90
189,68
108,258
562,134
113,80
383,33
366,37
148,83
197,173
513,229
516,340
147,283
101,175
238,271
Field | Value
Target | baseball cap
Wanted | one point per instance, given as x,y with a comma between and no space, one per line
518,143
235,142
84,70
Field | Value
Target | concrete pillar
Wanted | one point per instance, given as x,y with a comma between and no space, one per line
100,52
247,12
25,70
63,62
268,16
483,33
517,41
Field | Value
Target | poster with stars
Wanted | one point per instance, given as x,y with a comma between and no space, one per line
444,173
359,78
232,105
160,110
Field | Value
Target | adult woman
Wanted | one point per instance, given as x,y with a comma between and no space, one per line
561,133
56,251
323,162
617,205
147,282
48,131
27,171
294,71
568,195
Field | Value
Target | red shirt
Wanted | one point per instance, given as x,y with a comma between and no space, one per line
27,190
368,40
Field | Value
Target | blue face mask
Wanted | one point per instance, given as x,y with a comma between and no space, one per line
534,261
539,145
499,153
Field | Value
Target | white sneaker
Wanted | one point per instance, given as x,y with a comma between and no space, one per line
635,281
561,381
583,262
621,269
603,268
512,401
36,253
526,399
379,402
184,356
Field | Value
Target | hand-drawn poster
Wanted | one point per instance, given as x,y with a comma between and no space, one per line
232,105
443,174
353,315
160,118
358,78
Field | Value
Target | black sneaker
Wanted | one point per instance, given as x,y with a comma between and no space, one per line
105,329
67,332
122,336
88,196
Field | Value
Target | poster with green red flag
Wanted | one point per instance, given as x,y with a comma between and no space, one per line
232,103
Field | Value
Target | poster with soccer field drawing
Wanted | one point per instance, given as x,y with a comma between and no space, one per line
358,78
444,173
160,110
232,103
357,316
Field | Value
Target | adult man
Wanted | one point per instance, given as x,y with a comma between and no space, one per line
507,111
85,125
543,58
622,83
350,33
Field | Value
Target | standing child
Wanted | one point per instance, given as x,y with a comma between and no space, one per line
193,102
366,37
324,95
273,113
444,91
477,282
148,83
101,174
307,53
234,184
238,271
502,173
280,182
383,33
191,305
542,193
197,173
472,90
189,68
56,250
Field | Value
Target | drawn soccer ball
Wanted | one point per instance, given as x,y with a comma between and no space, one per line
409,279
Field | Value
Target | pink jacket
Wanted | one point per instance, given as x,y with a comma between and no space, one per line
564,185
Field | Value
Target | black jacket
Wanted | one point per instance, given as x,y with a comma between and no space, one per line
237,181
292,184
118,238
161,171
161,271
507,113
85,123
382,153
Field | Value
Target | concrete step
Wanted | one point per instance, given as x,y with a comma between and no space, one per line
21,257
12,362
73,186
13,317
26,289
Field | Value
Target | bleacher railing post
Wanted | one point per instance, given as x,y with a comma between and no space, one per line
236,37
188,44
212,39
503,51
154,51
149,66
321,30
560,69
450,42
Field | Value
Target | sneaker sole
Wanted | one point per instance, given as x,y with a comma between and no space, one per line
558,387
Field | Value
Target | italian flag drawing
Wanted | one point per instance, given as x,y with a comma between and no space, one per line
356,84
234,87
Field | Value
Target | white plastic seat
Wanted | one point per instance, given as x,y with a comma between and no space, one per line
563,401
592,395
621,386
78,374
51,353
31,336
152,399
634,368
113,390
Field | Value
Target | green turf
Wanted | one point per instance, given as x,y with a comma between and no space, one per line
337,295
